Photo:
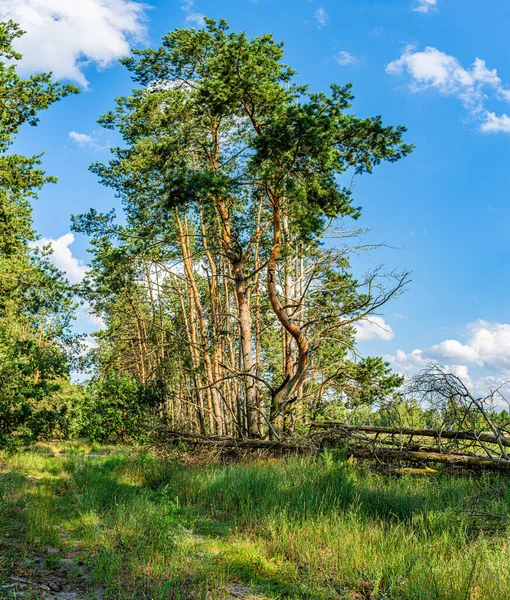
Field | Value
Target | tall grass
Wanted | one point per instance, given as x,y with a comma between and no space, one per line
300,528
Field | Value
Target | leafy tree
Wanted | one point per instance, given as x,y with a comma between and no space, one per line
35,300
116,408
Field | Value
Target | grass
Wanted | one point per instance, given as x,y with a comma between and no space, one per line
143,527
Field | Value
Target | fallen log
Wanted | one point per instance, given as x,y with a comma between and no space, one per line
435,433
194,439
358,446
415,447
394,454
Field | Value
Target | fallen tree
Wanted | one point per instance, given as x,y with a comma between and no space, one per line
475,442
354,440
468,460
417,432
167,437
467,436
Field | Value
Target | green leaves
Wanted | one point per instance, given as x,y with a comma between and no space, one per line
229,175
220,115
305,147
224,67
36,303
22,99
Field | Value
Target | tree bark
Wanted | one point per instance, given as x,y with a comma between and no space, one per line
245,325
188,267
283,395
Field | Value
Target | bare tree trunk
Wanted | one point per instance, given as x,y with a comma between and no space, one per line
245,325
188,267
258,341
235,396
191,336
284,394
141,342
213,303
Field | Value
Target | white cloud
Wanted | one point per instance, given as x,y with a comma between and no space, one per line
63,258
67,36
487,345
491,342
195,19
85,140
454,350
345,58
426,6
433,69
82,139
495,124
372,328
321,16
407,363
73,267
487,351
192,16
90,343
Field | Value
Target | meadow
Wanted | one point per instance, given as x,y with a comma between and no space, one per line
125,524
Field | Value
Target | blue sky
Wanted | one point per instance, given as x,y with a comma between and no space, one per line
439,67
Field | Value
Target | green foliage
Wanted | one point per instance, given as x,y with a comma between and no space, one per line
118,408
216,136
369,381
36,304
209,83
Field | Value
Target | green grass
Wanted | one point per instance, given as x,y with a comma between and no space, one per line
288,529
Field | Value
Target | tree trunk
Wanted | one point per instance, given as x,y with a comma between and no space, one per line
284,394
188,267
245,324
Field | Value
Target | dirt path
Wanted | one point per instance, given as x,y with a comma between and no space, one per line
49,576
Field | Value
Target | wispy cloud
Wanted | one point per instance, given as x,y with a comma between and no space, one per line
486,351
193,17
426,6
373,328
494,123
345,58
85,140
473,86
321,17
94,318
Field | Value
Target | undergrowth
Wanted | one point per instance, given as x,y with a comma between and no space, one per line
302,528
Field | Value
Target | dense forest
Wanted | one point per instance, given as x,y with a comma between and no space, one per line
225,291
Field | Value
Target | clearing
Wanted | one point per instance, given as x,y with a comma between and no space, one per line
129,525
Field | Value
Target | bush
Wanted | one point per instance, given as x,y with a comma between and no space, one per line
118,408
